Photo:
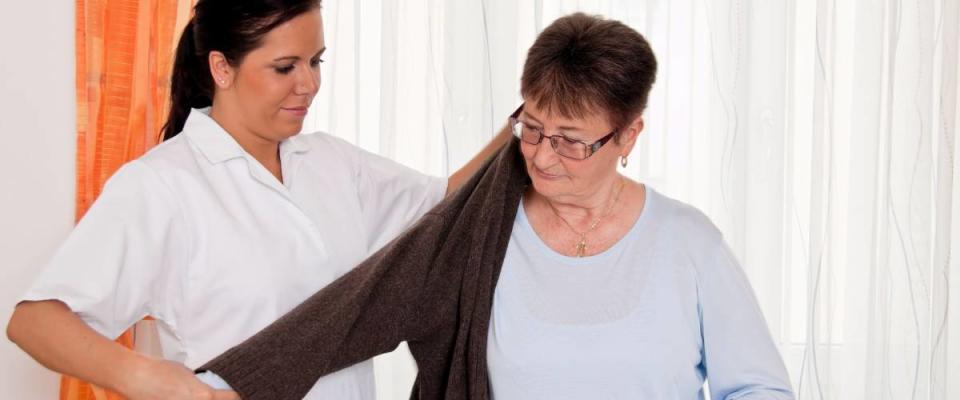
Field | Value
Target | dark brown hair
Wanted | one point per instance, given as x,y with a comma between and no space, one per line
234,28
584,64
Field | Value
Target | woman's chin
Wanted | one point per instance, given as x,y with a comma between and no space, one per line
546,187
288,129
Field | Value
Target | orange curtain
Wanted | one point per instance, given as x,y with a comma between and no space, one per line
124,54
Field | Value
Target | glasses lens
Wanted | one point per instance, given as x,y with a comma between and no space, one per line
517,127
569,148
526,133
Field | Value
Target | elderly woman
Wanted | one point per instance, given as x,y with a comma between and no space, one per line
549,275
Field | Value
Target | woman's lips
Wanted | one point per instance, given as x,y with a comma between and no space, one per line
544,175
296,111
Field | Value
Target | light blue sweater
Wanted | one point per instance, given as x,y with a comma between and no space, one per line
664,309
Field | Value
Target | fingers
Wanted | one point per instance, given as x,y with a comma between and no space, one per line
225,395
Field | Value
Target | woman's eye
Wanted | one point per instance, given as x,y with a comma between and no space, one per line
284,70
569,140
316,62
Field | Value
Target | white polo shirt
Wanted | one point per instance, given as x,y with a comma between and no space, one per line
200,236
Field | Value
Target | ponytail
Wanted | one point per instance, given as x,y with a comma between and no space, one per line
191,85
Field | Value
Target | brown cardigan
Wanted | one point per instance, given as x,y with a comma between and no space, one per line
432,287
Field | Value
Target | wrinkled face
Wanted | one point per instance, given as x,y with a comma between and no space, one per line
275,83
563,179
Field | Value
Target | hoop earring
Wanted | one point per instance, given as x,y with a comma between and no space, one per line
623,161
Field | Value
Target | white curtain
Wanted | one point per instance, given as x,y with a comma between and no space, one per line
818,135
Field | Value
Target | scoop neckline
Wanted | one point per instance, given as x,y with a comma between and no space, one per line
650,201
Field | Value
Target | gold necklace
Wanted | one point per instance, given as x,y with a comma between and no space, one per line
582,244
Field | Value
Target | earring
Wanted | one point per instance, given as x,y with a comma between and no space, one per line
623,161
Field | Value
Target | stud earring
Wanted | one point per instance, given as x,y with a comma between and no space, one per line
623,161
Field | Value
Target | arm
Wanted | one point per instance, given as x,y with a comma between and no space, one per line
59,340
120,263
459,177
739,356
393,196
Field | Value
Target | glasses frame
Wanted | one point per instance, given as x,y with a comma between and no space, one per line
591,148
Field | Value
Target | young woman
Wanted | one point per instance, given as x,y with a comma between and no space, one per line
228,224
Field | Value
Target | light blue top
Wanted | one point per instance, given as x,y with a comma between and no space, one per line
653,317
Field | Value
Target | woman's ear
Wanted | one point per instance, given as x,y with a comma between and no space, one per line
630,134
221,70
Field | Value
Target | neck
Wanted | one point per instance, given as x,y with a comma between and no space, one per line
264,150
590,207
581,218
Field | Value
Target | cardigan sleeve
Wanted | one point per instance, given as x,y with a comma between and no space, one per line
428,286
367,312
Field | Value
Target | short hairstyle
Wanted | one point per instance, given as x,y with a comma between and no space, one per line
582,64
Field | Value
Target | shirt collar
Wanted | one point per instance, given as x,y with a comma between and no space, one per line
212,140
218,146
293,145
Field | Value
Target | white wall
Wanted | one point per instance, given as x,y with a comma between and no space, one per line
37,141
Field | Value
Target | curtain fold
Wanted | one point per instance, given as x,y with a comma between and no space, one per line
124,53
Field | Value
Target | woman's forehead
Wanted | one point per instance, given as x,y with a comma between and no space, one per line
585,119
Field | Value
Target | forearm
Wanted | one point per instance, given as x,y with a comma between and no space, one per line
58,339
461,176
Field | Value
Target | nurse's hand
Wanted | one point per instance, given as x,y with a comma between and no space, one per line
155,379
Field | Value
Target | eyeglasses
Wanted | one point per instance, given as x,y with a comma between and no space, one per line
564,146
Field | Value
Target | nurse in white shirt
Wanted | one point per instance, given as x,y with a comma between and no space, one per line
229,223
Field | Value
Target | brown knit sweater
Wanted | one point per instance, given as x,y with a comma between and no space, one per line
432,287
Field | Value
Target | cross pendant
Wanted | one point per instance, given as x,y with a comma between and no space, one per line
581,248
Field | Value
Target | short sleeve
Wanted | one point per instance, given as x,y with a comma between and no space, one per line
739,355
393,196
120,263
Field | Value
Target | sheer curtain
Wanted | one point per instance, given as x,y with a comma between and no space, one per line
818,135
